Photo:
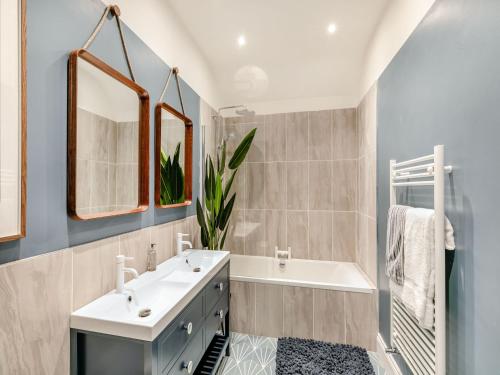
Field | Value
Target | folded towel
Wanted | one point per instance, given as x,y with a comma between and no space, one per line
394,252
417,292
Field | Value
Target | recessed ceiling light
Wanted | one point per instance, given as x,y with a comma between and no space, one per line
332,28
242,40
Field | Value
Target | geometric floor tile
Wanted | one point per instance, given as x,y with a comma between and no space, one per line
256,355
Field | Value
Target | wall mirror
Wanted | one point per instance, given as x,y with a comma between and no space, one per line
12,119
173,154
173,157
108,140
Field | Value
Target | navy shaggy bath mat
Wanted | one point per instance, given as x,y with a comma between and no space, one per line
311,357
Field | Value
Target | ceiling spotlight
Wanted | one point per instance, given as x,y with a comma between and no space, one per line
242,40
332,28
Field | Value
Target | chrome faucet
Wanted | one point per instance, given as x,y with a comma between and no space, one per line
181,243
121,270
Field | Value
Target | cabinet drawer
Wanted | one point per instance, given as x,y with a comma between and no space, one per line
180,332
215,318
216,288
190,358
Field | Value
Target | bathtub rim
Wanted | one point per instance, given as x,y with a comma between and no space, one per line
307,284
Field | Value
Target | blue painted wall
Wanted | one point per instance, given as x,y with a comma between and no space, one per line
54,28
443,87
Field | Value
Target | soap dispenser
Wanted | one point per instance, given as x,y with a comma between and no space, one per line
152,258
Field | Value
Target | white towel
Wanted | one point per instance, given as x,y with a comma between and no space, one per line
417,292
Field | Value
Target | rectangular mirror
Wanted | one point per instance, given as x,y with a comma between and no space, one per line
173,162
108,140
12,119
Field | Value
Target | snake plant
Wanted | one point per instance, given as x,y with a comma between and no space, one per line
171,178
214,218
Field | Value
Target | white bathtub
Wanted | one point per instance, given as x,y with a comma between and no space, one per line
318,274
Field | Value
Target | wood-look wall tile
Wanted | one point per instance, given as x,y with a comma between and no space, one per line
255,230
367,246
320,235
297,136
94,270
163,237
298,233
275,231
297,312
361,319
83,184
329,316
242,307
269,310
320,185
344,236
275,185
257,151
255,185
320,135
275,137
297,185
238,187
345,185
345,141
235,239
36,305
136,244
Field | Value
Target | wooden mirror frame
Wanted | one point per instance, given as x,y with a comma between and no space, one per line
188,156
143,144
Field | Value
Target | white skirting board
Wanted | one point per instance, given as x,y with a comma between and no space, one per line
389,363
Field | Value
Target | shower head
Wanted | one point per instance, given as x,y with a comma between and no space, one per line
239,109
244,112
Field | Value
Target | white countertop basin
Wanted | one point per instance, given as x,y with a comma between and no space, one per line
166,291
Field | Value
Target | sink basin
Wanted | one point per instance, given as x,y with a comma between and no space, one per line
165,292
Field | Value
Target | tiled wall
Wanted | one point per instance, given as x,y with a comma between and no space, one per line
327,315
39,293
107,164
298,185
367,184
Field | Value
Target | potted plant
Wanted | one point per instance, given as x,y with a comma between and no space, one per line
214,218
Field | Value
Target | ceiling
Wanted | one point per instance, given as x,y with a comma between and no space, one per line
288,52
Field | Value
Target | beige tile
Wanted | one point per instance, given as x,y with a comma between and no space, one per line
297,233
320,185
320,235
345,185
195,231
320,135
255,232
297,312
345,141
367,186
254,185
329,316
275,137
94,270
238,187
163,237
235,239
98,184
242,308
100,138
136,244
112,186
297,193
367,246
82,184
344,236
275,231
257,151
269,310
297,136
361,320
275,185
127,142
127,185
112,141
34,324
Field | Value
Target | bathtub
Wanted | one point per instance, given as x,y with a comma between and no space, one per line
318,274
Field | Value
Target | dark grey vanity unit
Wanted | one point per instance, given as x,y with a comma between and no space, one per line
194,342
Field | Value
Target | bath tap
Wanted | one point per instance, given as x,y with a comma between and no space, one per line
181,243
121,270
281,255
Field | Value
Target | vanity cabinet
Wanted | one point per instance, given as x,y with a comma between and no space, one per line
194,342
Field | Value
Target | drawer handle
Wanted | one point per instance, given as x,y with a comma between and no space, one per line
188,327
219,286
188,366
220,314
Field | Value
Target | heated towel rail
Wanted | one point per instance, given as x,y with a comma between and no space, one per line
423,350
